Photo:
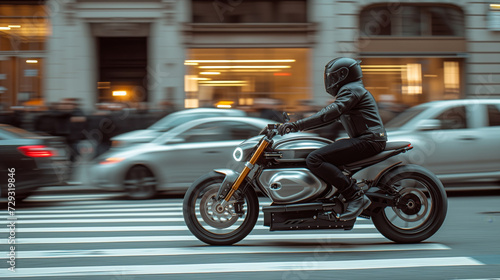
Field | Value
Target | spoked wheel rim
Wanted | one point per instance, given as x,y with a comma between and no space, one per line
414,208
218,220
140,183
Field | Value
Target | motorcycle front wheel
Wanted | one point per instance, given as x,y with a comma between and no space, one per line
211,225
420,208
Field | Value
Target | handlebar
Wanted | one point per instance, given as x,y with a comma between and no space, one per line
272,129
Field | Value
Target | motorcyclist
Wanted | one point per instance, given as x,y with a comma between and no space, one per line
356,109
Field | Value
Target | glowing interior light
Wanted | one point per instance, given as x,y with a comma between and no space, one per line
119,93
244,66
239,61
209,73
32,61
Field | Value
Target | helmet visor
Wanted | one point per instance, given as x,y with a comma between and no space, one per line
333,78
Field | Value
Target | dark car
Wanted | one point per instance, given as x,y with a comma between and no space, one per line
29,161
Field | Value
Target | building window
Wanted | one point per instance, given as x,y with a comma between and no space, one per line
411,20
256,11
412,81
241,77
23,32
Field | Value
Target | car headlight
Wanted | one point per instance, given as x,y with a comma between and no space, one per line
116,143
238,154
111,160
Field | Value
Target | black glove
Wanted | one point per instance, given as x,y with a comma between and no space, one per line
287,128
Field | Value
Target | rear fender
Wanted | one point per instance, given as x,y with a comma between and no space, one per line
383,172
380,198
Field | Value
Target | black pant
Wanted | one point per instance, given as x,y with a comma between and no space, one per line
324,162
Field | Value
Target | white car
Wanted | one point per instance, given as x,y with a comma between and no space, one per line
169,122
458,140
175,159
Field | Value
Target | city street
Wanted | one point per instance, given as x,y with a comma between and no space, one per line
105,236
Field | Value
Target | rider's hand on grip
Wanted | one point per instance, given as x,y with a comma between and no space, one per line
287,128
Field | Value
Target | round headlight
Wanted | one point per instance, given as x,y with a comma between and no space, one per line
238,154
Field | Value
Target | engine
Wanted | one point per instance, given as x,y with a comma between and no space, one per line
289,185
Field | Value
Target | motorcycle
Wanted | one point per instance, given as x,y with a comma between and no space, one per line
409,202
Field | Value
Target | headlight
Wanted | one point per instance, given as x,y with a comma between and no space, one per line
111,160
238,154
116,143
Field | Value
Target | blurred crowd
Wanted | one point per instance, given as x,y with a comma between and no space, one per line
66,119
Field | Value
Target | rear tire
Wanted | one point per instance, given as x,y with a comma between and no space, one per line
421,208
231,225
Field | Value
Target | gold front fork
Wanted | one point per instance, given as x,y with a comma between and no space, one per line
248,167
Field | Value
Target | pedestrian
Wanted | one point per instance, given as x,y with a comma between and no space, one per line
356,109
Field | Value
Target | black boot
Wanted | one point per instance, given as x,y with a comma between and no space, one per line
357,202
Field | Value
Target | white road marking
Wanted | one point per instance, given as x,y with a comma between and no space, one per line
175,238
291,267
142,209
129,228
215,250
114,204
97,221
128,214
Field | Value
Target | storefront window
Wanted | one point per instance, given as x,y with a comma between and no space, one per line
23,32
255,11
241,77
410,20
411,81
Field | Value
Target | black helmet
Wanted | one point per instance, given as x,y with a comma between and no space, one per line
340,71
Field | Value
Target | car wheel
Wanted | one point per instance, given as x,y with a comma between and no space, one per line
140,183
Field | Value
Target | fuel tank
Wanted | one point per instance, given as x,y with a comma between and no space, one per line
297,149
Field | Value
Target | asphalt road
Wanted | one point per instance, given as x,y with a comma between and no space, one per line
105,236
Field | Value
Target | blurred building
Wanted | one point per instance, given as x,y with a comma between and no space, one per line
208,52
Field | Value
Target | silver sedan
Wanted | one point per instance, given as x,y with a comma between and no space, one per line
174,160
458,140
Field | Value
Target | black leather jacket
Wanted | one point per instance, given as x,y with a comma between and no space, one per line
356,109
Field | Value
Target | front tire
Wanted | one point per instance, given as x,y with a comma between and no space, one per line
420,209
140,183
219,227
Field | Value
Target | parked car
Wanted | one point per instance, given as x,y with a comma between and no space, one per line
177,158
170,121
458,140
30,161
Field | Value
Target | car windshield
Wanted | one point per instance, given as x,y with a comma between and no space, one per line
170,122
404,117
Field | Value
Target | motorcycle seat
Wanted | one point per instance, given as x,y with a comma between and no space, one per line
391,149
390,146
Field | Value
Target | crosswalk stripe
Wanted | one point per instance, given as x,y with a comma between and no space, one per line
130,228
116,220
97,221
142,209
216,250
294,266
114,204
175,238
129,214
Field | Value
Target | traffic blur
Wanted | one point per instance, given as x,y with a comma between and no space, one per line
132,151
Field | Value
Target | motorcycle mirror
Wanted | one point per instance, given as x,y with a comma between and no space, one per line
286,117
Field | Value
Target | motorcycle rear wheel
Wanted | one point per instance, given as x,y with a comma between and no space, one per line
219,228
420,210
